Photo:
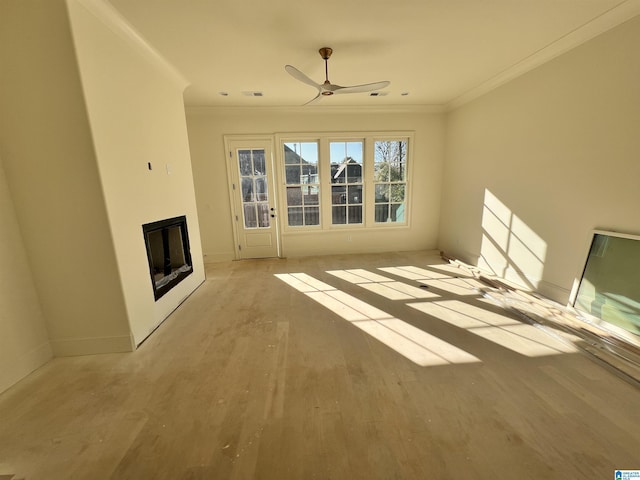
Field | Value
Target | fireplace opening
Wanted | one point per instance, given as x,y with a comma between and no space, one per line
168,253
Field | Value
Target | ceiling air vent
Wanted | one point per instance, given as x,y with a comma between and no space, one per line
378,94
252,94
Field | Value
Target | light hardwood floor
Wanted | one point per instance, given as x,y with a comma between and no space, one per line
253,378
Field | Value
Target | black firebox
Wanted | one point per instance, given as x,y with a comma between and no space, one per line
168,253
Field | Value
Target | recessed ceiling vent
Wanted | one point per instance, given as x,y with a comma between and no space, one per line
252,94
378,94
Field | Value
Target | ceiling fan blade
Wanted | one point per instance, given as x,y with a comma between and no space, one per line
298,75
367,87
314,99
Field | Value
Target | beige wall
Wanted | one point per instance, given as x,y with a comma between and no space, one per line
207,128
136,113
51,170
533,166
24,342
78,124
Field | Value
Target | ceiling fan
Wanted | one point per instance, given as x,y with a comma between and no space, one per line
327,88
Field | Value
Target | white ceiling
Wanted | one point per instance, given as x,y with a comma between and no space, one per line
441,52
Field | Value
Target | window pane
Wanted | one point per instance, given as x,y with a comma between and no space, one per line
250,220
397,212
301,153
259,165
263,215
292,172
309,152
346,162
354,173
355,214
382,212
261,189
244,160
294,196
310,195
338,173
389,213
397,192
247,190
338,195
355,193
381,172
309,174
391,158
346,172
312,216
341,151
382,193
339,215
295,216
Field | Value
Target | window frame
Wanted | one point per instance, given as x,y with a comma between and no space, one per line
368,139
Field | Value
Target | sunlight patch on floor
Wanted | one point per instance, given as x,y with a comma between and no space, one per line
411,342
510,333
449,279
384,286
463,315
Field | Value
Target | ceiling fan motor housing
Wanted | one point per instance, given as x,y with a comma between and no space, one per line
325,52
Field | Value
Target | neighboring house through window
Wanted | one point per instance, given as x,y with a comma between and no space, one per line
344,180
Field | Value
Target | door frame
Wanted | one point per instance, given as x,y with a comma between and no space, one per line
231,142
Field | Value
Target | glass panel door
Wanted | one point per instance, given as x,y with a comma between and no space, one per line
253,199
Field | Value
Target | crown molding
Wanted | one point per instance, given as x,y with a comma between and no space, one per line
313,110
617,15
115,22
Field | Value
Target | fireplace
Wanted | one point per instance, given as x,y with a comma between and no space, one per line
168,253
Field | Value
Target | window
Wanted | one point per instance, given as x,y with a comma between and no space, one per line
346,182
302,183
390,180
335,181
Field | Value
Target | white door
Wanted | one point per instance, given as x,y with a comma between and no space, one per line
253,198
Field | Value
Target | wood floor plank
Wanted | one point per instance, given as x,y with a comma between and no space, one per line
251,378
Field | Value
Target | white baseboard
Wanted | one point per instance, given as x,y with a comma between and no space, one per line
554,292
219,257
69,347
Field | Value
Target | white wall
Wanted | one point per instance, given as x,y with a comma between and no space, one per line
533,166
24,342
207,128
136,114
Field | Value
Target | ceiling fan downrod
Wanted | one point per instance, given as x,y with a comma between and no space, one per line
325,53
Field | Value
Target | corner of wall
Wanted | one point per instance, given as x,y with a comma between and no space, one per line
24,364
